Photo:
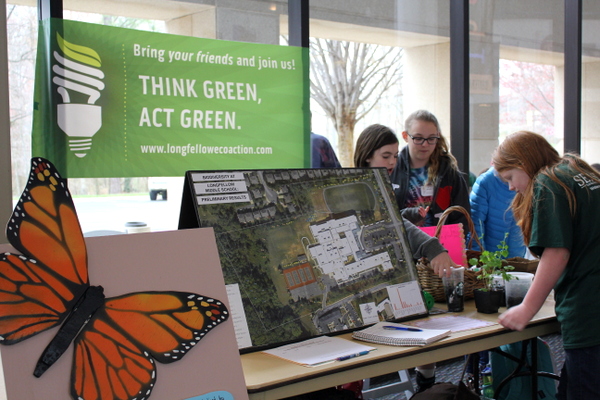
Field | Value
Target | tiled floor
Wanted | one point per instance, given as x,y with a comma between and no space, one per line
451,370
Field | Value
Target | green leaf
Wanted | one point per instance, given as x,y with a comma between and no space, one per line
79,53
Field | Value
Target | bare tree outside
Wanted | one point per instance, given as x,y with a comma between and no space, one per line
22,43
348,80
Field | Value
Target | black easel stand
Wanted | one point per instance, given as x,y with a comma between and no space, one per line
524,368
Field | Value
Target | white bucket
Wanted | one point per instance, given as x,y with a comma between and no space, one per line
136,227
517,288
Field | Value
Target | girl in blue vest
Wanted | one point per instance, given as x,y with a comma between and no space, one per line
490,211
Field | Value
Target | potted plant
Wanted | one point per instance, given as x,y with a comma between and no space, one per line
489,298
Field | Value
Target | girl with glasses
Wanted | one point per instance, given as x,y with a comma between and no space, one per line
426,178
377,146
426,182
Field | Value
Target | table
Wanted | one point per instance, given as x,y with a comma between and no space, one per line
268,377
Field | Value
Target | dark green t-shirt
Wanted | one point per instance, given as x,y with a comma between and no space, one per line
577,291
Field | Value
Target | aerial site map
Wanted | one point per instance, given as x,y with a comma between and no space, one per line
307,252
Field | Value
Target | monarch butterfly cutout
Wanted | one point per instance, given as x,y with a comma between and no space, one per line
116,339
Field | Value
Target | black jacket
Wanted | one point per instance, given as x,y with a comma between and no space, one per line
450,189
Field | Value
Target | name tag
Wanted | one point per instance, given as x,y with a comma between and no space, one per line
427,190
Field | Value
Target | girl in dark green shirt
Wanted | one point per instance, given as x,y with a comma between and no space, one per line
557,206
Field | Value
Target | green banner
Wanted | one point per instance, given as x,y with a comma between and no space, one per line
113,102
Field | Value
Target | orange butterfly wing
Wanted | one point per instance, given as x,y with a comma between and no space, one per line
114,354
39,288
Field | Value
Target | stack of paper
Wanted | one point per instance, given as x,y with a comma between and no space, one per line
400,335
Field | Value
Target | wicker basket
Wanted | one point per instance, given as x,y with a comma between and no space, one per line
432,283
522,264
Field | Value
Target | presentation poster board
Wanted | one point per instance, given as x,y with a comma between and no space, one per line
145,262
114,102
305,252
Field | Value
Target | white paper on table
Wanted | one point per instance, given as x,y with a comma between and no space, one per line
454,323
319,350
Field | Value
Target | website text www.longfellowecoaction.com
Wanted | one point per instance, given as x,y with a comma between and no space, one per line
190,148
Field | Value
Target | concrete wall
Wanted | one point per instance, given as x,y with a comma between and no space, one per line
426,82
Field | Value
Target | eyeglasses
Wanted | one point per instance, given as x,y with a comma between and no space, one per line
420,140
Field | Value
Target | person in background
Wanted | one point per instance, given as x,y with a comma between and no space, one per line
426,182
426,178
472,179
322,153
377,146
490,211
556,206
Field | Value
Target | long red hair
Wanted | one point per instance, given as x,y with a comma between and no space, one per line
531,153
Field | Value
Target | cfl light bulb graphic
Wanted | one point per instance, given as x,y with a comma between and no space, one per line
78,77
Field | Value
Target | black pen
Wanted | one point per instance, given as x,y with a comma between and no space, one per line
402,328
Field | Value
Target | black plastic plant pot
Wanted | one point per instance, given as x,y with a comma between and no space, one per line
488,302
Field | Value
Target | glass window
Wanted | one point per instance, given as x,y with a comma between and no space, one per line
590,87
406,42
516,71
108,204
526,97
22,43
516,60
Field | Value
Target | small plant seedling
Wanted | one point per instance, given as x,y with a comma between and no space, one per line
490,263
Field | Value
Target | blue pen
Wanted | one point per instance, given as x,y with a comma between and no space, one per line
402,328
362,353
